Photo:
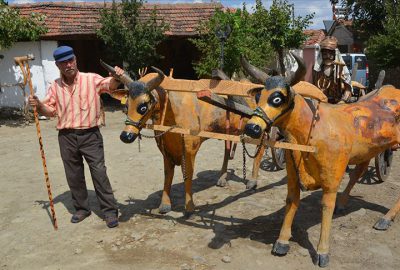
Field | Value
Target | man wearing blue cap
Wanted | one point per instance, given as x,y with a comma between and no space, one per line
75,99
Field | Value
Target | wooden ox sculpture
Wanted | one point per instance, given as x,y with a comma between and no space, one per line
343,134
148,99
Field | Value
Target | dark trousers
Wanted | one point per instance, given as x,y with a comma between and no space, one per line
74,146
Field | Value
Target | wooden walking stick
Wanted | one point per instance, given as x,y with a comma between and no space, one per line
24,65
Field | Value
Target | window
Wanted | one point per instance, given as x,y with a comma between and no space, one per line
362,62
347,61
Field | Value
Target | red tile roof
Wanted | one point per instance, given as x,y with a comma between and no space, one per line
314,37
65,19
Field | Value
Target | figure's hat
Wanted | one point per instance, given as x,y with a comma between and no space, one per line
63,53
329,43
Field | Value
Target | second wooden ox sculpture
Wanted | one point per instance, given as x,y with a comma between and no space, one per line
148,98
343,134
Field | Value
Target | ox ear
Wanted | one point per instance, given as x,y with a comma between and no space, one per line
120,94
253,92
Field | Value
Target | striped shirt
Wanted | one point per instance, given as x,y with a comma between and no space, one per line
78,105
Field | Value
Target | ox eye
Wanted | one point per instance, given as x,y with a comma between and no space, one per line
142,108
276,99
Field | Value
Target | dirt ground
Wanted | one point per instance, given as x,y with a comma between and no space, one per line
234,228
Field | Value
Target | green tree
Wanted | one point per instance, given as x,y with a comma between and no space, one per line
376,23
241,41
279,26
15,28
129,37
368,16
384,48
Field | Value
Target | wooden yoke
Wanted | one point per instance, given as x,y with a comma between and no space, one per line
214,88
224,103
233,138
220,87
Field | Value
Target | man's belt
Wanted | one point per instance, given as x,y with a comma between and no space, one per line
78,131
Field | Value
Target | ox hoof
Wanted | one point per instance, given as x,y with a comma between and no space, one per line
322,260
382,224
280,249
251,184
189,215
222,180
164,208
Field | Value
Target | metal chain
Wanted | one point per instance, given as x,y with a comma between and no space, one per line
139,139
245,149
183,158
158,135
245,152
244,159
153,137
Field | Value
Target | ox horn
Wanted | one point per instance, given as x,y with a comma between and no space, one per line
254,72
125,79
219,74
155,82
300,72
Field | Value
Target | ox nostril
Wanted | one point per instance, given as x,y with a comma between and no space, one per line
253,130
257,129
127,137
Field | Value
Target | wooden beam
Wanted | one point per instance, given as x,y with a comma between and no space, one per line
224,103
233,138
220,87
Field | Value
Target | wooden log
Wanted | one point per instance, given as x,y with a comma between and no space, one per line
224,103
234,138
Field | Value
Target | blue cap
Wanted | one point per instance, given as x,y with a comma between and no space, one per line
63,53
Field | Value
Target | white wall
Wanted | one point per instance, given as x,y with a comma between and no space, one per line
43,71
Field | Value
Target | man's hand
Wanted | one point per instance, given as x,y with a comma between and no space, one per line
118,71
34,101
115,82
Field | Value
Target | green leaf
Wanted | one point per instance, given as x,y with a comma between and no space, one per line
14,27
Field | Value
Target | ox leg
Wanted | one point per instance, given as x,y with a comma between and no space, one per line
384,222
169,167
223,173
358,171
189,168
252,182
328,206
281,246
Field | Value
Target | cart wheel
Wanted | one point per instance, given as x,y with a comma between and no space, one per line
383,163
278,154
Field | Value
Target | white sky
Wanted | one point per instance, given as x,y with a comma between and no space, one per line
321,8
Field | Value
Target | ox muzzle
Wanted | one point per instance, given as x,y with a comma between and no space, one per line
253,130
127,137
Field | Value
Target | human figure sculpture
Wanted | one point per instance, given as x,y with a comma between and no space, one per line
331,74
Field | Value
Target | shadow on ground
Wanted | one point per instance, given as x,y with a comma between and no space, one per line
264,228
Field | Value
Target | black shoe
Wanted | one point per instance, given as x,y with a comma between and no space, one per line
79,216
111,221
